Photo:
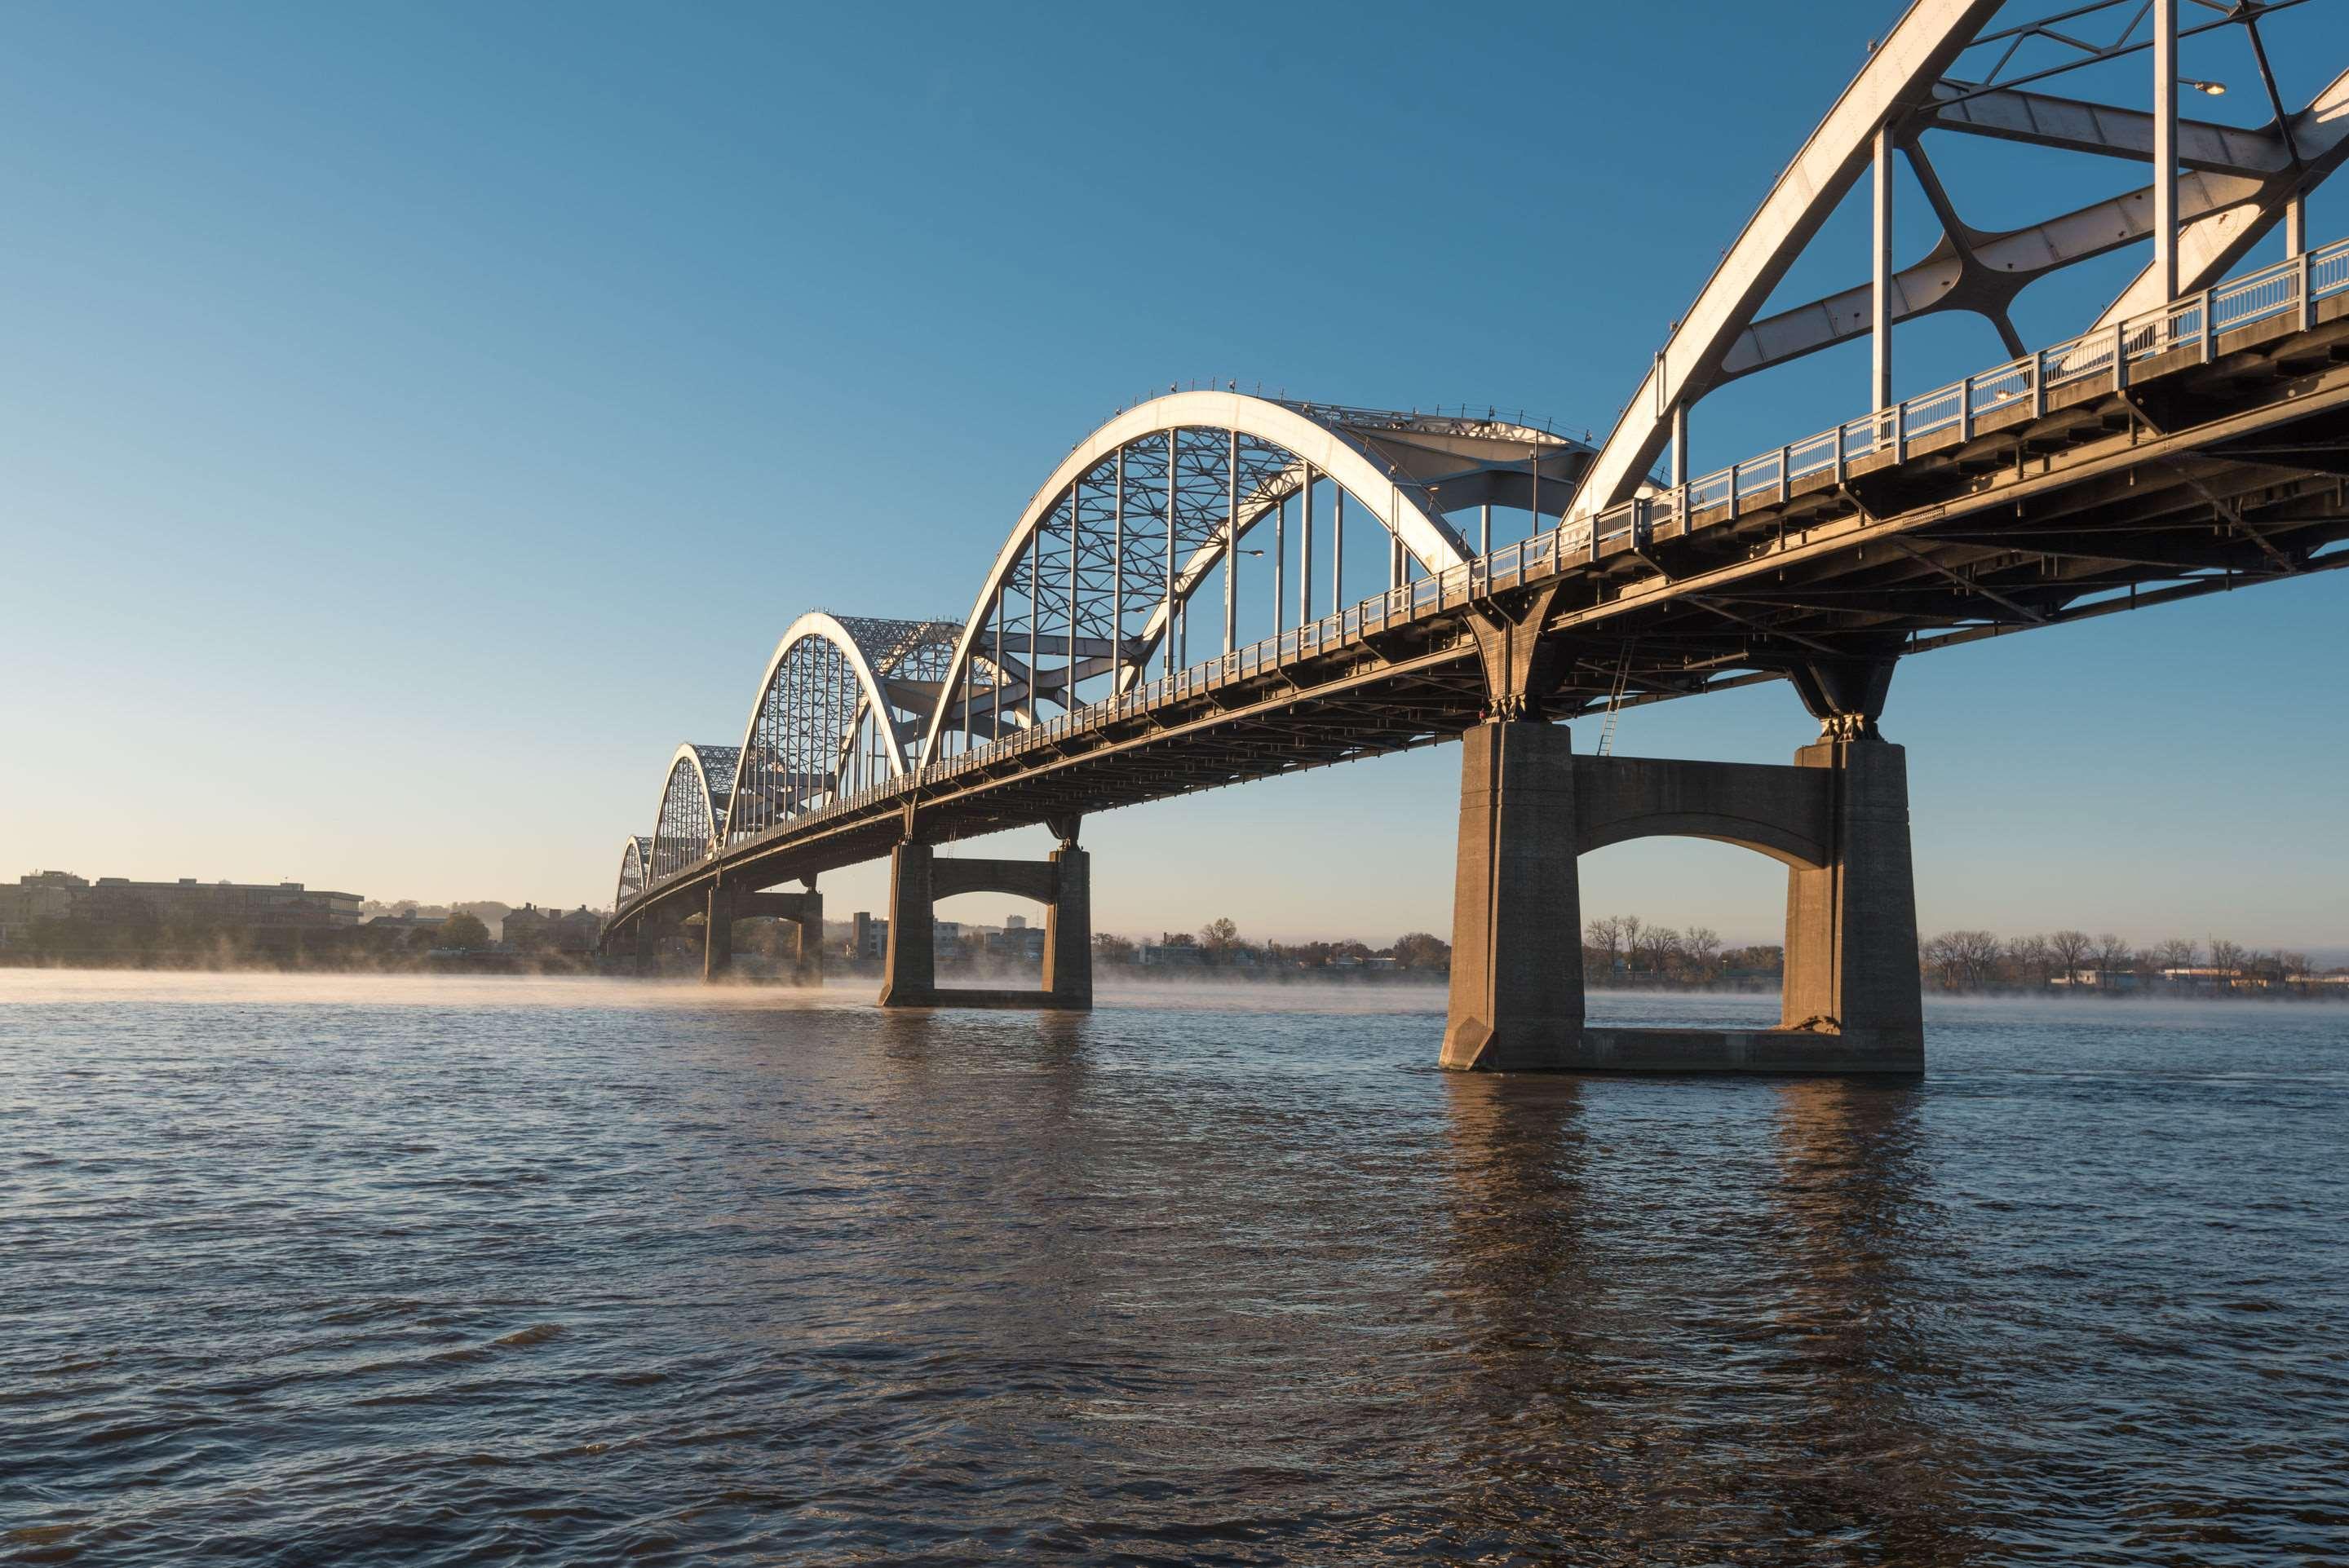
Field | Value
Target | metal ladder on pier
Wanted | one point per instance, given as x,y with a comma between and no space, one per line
1615,703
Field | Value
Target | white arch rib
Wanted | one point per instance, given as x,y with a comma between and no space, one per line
700,757
1402,507
822,626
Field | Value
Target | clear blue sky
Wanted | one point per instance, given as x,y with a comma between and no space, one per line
415,421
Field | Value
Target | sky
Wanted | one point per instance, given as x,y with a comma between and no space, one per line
417,420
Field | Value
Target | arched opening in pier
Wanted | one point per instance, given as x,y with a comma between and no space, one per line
989,939
1687,931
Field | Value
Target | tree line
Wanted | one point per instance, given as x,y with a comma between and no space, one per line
1629,950
1982,960
1219,945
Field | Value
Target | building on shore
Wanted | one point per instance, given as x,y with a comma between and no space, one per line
42,896
112,906
531,929
1014,942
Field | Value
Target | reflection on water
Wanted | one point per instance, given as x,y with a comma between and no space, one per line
308,1270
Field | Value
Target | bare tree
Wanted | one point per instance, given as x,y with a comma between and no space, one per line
2030,955
1220,934
2178,953
2226,958
1941,955
1702,942
1607,936
2113,957
1977,955
2293,964
2070,949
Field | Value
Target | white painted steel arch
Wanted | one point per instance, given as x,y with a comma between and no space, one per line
690,821
788,759
635,858
1316,437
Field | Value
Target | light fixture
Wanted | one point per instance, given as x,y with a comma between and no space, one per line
2215,89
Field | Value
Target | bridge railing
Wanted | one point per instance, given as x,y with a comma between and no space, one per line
2195,322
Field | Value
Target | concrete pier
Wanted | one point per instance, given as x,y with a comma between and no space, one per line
1516,915
804,910
1839,818
1063,883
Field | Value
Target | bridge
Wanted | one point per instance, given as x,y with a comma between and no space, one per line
2193,440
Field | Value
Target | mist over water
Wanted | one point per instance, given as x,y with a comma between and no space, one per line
309,1268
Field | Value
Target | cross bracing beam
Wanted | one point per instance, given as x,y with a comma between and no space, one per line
2240,184
2073,124
2221,215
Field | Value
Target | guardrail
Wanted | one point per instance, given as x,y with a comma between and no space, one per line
2194,322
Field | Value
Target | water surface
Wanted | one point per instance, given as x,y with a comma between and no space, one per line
317,1270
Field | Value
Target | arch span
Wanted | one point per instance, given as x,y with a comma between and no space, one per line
1098,572
633,858
840,707
692,819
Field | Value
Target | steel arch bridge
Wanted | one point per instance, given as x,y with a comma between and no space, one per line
1371,580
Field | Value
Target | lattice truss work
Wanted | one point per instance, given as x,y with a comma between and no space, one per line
634,856
1084,608
692,808
840,708
1982,68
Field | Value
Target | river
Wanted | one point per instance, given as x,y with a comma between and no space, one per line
312,1269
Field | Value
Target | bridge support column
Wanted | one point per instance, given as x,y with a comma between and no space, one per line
807,968
909,977
718,936
1517,910
1851,926
1069,930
